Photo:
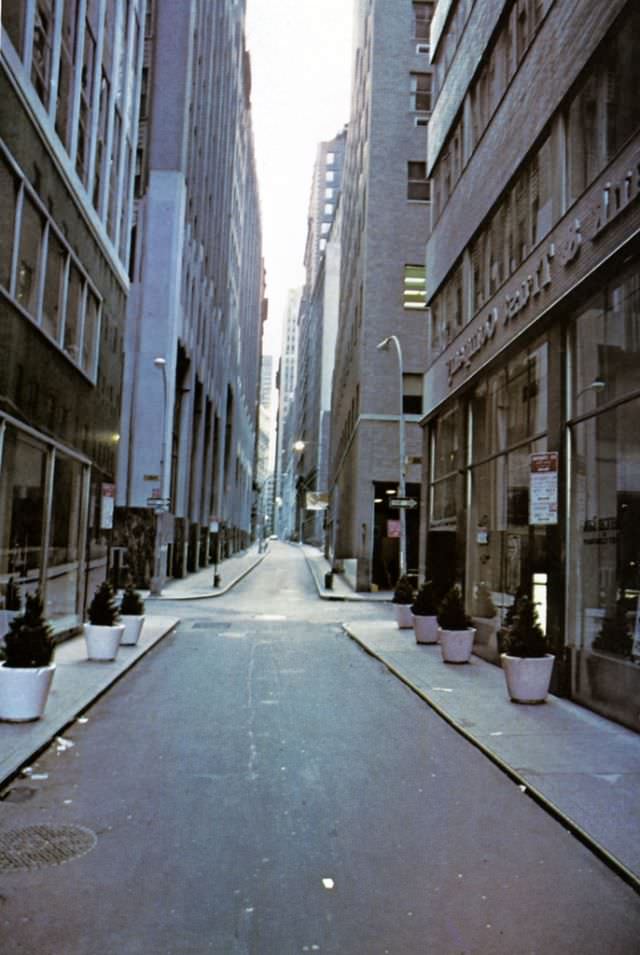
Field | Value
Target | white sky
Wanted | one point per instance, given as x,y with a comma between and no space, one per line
301,74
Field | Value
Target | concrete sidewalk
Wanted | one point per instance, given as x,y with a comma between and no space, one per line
78,682
341,590
582,768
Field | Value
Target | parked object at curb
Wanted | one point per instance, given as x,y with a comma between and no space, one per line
27,670
425,614
455,632
403,598
103,632
131,615
526,662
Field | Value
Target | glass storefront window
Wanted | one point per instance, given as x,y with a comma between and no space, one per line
448,443
22,496
64,545
607,345
604,583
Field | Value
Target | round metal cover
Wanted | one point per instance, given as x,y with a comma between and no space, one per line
34,847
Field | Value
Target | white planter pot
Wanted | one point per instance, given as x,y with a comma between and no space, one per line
404,617
102,642
24,691
456,645
132,627
426,628
528,678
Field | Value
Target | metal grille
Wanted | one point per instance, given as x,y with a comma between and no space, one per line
35,847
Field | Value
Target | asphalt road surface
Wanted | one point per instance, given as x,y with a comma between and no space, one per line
258,784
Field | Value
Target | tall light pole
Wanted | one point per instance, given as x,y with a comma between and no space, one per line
383,345
161,363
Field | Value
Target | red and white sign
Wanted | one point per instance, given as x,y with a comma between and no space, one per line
543,488
393,528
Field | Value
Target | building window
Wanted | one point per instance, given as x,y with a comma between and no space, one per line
421,92
41,50
328,208
422,16
412,394
13,12
418,184
8,198
64,106
53,286
28,279
329,192
331,158
414,294
329,175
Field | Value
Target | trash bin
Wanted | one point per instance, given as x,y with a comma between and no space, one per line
328,580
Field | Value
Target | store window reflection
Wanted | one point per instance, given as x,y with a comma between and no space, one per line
22,487
64,548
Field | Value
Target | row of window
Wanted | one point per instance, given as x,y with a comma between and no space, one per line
40,273
599,118
90,101
485,92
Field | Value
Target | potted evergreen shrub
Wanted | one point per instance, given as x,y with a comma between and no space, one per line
455,632
103,632
12,605
526,662
131,615
425,614
403,598
27,670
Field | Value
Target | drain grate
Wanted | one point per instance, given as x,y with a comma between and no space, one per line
35,847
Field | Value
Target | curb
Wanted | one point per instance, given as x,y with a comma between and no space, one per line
70,718
325,594
611,861
214,593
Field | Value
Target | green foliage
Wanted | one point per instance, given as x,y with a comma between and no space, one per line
103,610
12,598
524,637
29,642
404,591
451,612
132,603
425,604
615,635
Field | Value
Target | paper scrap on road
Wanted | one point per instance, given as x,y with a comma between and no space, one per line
328,883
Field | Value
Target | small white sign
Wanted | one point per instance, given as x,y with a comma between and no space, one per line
543,488
107,502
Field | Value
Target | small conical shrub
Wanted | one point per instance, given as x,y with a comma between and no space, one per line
404,591
525,637
103,610
29,642
132,603
451,612
425,604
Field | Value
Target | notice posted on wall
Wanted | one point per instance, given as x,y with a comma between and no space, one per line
107,502
543,488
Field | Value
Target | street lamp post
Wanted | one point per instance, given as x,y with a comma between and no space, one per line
383,345
157,580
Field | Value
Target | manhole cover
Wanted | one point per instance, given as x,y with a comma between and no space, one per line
37,846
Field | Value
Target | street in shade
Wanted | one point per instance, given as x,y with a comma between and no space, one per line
258,784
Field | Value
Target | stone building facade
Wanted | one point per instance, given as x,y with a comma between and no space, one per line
531,474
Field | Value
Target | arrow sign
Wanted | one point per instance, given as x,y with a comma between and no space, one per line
408,502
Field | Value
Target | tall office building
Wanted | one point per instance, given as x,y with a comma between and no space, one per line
70,77
385,211
284,490
196,307
317,323
533,386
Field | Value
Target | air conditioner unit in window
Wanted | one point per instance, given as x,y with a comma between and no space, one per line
422,48
421,120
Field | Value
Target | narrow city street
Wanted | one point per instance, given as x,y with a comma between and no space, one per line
258,784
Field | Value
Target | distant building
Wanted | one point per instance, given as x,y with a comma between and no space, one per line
284,488
533,384
317,323
196,307
385,215
70,77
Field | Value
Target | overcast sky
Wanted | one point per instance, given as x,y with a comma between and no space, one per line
301,74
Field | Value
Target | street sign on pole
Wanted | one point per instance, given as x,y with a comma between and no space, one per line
403,502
